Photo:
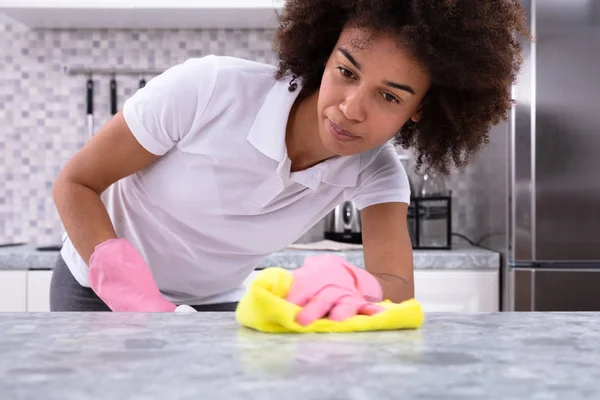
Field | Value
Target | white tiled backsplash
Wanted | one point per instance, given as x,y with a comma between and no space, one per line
43,117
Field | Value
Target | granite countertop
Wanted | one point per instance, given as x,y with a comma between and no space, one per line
209,356
461,256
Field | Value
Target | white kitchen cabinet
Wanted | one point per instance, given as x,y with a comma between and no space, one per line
13,289
457,290
30,290
156,14
436,290
38,290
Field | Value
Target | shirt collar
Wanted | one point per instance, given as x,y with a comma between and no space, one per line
267,133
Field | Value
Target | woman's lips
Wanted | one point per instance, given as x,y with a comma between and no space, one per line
339,134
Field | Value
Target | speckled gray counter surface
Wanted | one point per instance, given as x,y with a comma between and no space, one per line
209,356
462,256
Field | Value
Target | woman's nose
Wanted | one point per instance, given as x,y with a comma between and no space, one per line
353,106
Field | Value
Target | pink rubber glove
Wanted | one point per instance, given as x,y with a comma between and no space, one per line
329,285
120,277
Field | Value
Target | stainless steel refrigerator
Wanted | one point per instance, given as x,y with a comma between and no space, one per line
552,261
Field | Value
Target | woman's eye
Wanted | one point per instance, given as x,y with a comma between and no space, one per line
388,97
346,72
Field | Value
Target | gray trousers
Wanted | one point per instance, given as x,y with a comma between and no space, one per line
66,294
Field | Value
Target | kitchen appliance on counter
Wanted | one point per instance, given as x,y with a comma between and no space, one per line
553,252
343,224
430,214
429,222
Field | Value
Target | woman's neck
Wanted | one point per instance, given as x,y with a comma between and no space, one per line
302,139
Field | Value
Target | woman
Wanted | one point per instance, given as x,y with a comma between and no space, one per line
220,161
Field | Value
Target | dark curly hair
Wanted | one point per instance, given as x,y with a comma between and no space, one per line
470,49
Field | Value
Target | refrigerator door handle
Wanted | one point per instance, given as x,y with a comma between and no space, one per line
521,186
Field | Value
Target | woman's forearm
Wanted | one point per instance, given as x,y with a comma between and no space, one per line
83,216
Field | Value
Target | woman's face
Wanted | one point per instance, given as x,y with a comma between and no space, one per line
367,93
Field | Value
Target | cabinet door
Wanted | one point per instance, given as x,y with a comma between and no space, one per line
13,291
457,290
38,290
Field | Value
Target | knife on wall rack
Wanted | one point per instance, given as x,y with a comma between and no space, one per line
113,95
90,106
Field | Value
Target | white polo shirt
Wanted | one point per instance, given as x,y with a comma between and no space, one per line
222,196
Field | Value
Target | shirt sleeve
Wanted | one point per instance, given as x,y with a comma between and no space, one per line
383,181
171,105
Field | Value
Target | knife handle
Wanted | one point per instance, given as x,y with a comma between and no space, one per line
113,96
90,96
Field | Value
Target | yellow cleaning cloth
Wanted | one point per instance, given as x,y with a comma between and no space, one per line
265,309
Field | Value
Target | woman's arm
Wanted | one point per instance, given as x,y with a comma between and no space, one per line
112,154
388,249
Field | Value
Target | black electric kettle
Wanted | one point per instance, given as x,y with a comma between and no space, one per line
343,224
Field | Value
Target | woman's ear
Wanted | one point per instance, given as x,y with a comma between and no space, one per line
416,117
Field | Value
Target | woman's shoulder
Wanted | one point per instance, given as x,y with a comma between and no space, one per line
384,156
227,67
213,68
242,65
382,178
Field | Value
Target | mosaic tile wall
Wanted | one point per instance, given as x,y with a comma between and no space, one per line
43,121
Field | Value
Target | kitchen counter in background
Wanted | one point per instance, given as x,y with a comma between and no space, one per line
465,278
462,257
208,355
